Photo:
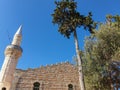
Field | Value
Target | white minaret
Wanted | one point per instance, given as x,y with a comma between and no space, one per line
12,53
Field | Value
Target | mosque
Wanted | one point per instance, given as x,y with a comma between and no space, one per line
62,76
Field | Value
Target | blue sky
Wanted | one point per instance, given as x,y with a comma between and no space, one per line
41,43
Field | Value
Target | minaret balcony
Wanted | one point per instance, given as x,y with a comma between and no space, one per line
13,49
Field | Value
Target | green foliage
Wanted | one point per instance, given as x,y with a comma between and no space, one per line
102,55
115,19
68,18
108,41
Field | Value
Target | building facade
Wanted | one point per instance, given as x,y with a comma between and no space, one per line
62,76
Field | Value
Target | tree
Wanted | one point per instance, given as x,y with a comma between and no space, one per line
68,19
102,56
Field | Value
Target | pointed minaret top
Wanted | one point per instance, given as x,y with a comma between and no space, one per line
19,31
17,37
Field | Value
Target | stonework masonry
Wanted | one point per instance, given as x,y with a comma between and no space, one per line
54,77
62,76
12,54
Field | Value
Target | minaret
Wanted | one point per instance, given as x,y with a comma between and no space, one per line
12,53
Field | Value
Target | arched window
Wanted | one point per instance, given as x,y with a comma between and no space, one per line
70,87
3,88
36,86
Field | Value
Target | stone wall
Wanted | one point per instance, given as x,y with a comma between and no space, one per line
54,77
18,74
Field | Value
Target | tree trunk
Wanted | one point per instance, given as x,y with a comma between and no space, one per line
81,77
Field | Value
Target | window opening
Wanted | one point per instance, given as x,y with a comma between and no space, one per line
36,86
70,87
3,88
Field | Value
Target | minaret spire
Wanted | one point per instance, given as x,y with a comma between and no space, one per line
17,37
12,53
19,31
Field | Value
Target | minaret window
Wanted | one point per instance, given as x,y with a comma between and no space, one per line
3,88
70,87
36,86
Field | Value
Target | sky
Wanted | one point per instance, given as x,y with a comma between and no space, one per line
42,44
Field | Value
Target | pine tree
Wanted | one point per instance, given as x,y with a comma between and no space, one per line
68,19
